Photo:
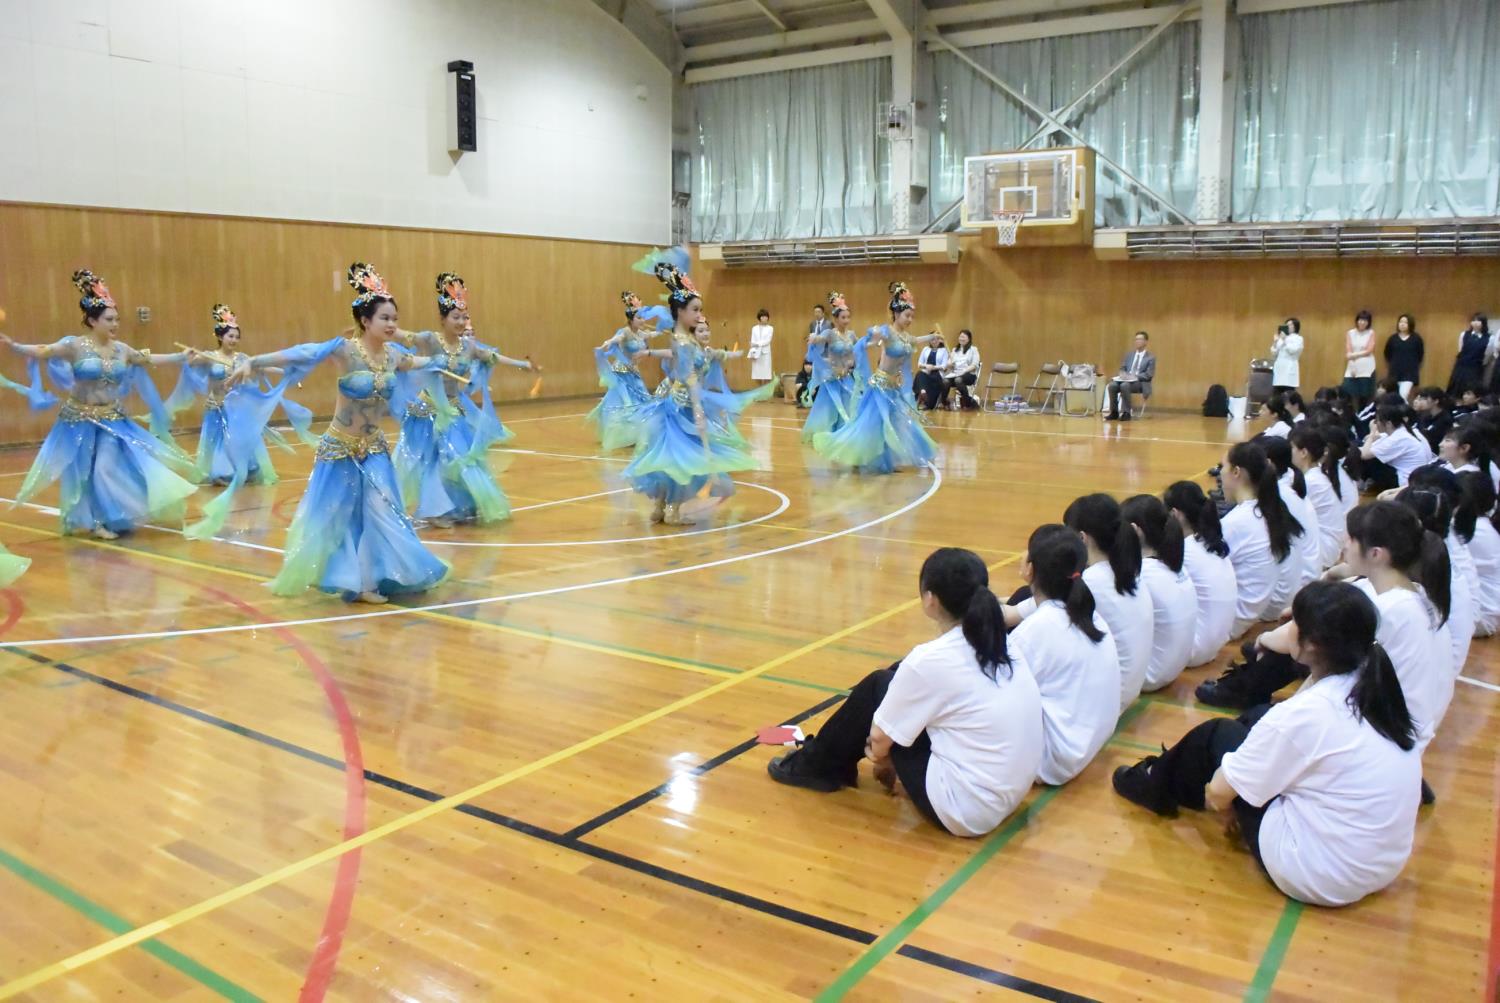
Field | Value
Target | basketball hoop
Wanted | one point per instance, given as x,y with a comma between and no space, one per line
1007,226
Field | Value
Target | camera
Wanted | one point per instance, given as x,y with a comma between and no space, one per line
1217,494
1283,330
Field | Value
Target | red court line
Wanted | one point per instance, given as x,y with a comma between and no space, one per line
15,606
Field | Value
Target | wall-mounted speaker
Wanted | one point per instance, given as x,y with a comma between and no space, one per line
463,109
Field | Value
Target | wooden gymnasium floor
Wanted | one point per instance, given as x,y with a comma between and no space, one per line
536,780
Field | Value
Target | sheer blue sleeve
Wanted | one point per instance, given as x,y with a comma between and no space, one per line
191,384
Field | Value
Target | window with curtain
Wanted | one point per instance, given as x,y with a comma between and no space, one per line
1377,110
1145,117
792,154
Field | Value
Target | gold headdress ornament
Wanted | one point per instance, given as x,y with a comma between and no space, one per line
452,293
224,319
836,302
900,297
368,282
632,303
95,293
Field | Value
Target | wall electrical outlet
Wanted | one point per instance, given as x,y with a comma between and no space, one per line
143,314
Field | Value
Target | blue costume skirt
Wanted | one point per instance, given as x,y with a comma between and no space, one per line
670,462
439,471
884,434
613,418
350,534
832,409
214,464
114,473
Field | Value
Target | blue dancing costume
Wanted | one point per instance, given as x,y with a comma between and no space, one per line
833,382
885,431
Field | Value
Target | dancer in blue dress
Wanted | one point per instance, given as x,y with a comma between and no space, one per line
442,459
679,452
722,405
351,534
115,475
831,354
885,432
624,387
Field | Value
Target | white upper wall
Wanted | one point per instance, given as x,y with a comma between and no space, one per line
336,110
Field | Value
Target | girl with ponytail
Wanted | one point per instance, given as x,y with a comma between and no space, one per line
1466,447
1432,494
1206,560
1393,449
1113,576
1335,466
1174,602
1293,488
1478,517
1407,575
956,725
1309,451
1069,654
1323,787
1259,531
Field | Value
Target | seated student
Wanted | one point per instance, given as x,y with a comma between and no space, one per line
1288,409
1070,655
1206,560
1477,524
956,726
1434,495
1385,394
1466,447
1322,786
1321,473
1433,415
1174,601
1468,402
804,379
1113,575
1310,540
1393,449
1137,371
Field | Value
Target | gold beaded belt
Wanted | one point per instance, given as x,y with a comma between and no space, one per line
621,368
420,408
338,444
73,410
884,380
213,403
680,394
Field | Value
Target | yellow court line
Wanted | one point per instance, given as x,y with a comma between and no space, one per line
26,983
670,663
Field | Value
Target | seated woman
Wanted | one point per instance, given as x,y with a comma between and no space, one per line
1477,525
1322,787
1070,655
1113,575
1174,602
962,372
1206,560
1308,564
1320,473
1288,410
1433,494
956,725
1393,449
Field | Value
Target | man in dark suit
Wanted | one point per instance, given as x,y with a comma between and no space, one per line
1137,370
820,322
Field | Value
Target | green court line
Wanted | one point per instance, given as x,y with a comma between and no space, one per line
1130,743
117,925
1275,953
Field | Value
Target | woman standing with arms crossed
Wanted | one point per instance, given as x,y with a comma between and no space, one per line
1403,355
1359,351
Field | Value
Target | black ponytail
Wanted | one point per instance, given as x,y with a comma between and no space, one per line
1476,494
1279,452
1281,525
1475,436
1057,560
1161,532
1188,498
1311,441
961,583
1415,551
1097,516
1339,621
1397,415
1335,448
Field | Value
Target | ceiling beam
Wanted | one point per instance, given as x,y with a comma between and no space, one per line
642,21
770,15
1144,18
896,16
996,9
791,61
784,40
719,13
1268,6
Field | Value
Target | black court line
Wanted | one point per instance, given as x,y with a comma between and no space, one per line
566,841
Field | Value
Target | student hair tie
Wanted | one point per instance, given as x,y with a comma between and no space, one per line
1076,574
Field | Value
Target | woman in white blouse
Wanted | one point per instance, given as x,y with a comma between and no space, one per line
760,348
1286,353
1359,351
1321,787
962,371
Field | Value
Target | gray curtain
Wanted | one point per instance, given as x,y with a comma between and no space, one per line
1377,110
792,154
1145,117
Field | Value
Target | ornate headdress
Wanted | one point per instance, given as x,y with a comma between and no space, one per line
836,302
452,293
95,293
900,297
223,319
680,288
632,304
369,284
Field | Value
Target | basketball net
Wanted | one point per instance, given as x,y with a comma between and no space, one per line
1007,226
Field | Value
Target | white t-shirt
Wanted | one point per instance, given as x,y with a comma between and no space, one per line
1484,550
1348,495
1310,543
1331,517
1174,606
1255,567
1129,622
1344,813
986,734
1079,681
1463,588
1213,581
1291,571
1403,450
1420,650
1361,341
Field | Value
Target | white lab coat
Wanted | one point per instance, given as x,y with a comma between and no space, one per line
1286,370
760,352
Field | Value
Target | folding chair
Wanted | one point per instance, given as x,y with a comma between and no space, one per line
1002,370
1081,379
1051,372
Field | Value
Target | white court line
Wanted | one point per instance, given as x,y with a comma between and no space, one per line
564,501
1481,684
792,423
566,456
937,482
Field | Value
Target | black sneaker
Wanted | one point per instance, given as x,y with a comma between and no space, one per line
1242,686
1429,796
793,770
1136,785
